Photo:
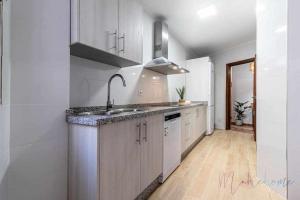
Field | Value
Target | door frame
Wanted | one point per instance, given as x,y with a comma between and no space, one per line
228,92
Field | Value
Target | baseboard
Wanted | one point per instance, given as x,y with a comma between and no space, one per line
190,148
244,124
149,190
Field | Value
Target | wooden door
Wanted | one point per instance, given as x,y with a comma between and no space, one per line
131,30
254,101
98,24
120,160
152,149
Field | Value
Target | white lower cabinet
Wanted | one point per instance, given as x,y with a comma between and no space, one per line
152,149
130,157
118,161
186,128
193,126
125,158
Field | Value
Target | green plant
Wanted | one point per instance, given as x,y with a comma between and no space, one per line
181,92
240,109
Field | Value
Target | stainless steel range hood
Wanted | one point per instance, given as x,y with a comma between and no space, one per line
160,63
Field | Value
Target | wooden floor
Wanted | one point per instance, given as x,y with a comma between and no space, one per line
221,167
244,128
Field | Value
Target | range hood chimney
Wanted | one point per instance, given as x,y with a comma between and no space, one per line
160,63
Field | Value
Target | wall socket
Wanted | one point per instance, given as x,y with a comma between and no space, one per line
140,92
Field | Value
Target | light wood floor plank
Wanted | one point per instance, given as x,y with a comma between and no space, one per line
220,167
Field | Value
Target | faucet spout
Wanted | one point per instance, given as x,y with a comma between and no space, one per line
109,104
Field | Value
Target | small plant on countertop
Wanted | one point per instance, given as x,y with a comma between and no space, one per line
181,93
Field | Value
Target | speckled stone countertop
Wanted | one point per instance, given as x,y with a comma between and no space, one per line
148,110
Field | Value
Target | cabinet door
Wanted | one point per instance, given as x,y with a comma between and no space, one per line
186,130
152,149
131,30
98,24
120,161
204,120
198,122
83,163
193,127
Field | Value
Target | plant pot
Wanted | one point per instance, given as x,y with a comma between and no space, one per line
181,102
239,122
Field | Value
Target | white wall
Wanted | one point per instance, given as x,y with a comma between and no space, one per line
220,59
293,109
5,107
39,97
272,92
242,89
89,79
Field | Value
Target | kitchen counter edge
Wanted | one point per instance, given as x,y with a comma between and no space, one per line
98,120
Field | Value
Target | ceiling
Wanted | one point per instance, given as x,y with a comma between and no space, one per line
233,23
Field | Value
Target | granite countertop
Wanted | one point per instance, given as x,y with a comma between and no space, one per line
148,110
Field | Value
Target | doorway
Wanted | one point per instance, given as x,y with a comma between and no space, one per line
241,96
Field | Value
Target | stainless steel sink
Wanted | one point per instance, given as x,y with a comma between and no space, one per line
96,112
111,112
123,110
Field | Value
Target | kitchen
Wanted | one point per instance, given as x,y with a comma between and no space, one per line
125,99
145,133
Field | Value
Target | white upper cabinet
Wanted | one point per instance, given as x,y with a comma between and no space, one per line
131,30
107,31
98,24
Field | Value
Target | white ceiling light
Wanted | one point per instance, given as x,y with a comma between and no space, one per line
207,12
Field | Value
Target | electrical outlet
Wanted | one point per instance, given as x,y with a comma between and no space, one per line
140,93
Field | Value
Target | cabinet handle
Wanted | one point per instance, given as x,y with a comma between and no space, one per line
138,140
146,133
123,38
166,131
115,38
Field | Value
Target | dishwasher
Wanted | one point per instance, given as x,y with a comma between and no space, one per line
171,144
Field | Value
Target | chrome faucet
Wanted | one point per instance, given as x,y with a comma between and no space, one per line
109,104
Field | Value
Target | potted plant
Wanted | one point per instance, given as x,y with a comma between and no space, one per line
240,109
181,93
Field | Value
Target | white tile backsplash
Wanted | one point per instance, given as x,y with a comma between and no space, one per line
89,84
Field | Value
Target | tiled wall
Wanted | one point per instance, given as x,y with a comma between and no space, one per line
5,107
39,97
293,109
89,79
272,92
89,84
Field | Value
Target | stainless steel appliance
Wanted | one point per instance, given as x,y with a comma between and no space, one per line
161,63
